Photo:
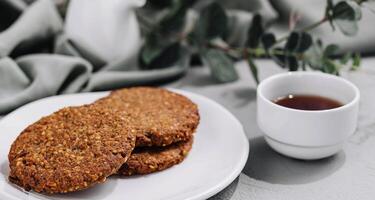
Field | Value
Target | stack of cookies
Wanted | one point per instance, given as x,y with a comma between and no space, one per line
132,131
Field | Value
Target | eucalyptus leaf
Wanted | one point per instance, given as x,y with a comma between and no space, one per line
344,60
314,55
174,20
255,31
253,69
330,67
222,67
331,50
345,15
349,28
157,57
304,42
152,49
268,40
164,39
347,10
292,42
292,63
212,23
298,42
356,62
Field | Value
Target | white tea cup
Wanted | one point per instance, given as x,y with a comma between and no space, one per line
307,134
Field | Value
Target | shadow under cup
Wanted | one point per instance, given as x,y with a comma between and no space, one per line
307,134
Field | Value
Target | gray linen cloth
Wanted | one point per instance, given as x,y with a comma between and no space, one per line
37,60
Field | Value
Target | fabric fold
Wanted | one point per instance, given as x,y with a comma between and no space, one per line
39,22
40,75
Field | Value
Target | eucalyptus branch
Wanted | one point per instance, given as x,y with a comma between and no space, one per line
166,38
254,52
325,19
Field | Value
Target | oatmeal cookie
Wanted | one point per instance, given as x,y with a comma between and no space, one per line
145,160
69,150
159,117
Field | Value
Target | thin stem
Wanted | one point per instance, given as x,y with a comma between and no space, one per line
313,26
255,52
305,29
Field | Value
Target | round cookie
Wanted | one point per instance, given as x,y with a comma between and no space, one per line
145,160
159,117
69,150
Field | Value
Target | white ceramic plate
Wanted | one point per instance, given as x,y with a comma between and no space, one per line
219,153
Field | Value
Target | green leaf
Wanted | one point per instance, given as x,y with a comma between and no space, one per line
349,28
222,67
255,31
356,62
318,58
298,42
212,23
330,67
174,20
331,50
292,42
344,60
305,42
292,63
314,55
347,10
159,53
345,15
253,69
151,49
268,40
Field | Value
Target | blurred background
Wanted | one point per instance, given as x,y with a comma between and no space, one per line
50,47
